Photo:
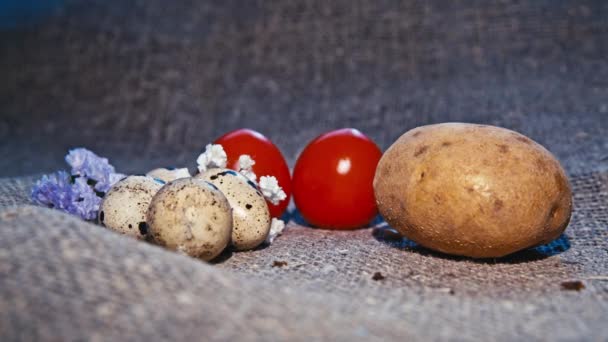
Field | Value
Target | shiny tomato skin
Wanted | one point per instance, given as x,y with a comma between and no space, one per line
333,180
268,160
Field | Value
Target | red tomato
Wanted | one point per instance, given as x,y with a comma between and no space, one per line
268,160
333,180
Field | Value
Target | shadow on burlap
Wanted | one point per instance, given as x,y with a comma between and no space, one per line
147,85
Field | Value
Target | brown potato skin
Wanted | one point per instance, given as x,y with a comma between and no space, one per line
473,190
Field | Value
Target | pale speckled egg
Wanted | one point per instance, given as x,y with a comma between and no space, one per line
250,215
168,174
124,207
191,216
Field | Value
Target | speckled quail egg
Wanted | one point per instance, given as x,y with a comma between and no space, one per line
191,216
124,207
168,174
250,215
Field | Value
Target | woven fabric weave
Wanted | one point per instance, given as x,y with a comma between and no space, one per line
66,279
147,85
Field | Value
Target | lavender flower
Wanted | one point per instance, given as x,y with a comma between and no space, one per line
54,190
57,191
87,164
79,193
87,202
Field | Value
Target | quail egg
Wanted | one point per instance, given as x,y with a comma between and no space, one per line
192,217
124,207
169,174
250,215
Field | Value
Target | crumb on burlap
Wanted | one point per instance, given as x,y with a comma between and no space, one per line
378,276
278,263
573,285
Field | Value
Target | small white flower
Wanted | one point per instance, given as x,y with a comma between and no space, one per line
213,157
271,190
246,162
276,228
245,166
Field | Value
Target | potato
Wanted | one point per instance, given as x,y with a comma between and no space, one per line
472,190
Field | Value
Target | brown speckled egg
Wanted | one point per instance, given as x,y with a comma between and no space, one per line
251,218
124,207
168,174
191,216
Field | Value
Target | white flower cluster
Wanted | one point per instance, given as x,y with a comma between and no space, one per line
213,157
271,190
245,167
276,228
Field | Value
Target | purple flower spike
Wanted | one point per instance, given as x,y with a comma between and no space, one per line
86,202
111,179
54,190
87,164
80,192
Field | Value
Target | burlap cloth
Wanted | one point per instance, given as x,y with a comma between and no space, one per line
148,83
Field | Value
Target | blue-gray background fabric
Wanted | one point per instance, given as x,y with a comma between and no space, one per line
149,83
145,82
